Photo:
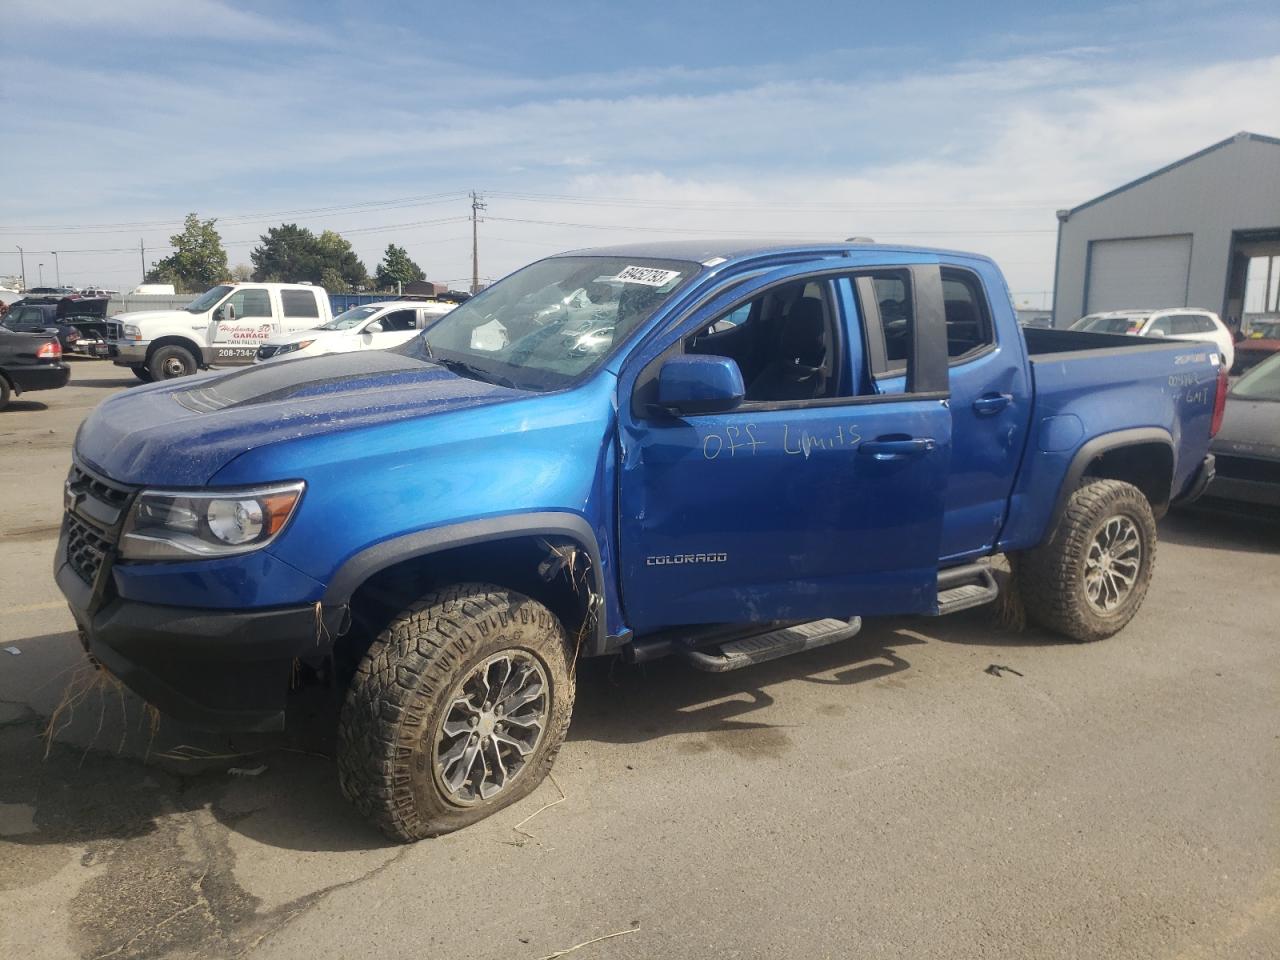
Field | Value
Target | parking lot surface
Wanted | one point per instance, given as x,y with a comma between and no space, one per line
932,788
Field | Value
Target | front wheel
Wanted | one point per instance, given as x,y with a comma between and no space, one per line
457,710
1090,577
170,362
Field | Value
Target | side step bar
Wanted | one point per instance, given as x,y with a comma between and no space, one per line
965,586
735,654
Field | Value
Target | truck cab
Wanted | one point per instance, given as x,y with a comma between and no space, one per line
224,326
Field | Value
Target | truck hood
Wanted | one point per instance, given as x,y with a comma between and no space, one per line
1250,428
157,316
180,433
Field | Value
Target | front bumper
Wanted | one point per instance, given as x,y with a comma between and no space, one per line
124,353
222,670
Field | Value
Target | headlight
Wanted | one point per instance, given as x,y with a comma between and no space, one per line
182,525
290,347
131,332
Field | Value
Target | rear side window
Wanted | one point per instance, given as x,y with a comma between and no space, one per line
1164,325
969,329
897,317
299,303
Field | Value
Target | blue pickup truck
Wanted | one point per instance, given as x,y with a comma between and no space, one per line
720,452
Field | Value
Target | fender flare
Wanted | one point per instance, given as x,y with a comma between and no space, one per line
1096,447
410,546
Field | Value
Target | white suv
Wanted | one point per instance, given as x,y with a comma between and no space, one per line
1175,323
372,326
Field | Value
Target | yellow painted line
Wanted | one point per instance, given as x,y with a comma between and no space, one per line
35,607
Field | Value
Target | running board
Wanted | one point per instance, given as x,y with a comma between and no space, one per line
960,588
735,654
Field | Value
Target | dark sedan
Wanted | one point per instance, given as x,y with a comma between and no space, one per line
70,318
1247,447
29,361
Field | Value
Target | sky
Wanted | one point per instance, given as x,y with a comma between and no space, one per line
587,123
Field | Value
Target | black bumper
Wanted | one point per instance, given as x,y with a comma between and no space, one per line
224,670
39,376
1200,482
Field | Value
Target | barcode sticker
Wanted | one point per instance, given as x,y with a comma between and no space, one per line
649,276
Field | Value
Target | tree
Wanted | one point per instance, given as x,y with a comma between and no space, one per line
198,261
396,268
292,254
241,272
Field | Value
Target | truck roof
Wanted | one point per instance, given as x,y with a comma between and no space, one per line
702,251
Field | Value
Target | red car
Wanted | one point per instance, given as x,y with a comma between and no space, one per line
1262,341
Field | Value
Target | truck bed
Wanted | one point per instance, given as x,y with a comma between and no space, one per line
1089,385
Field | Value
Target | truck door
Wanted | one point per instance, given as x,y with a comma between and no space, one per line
234,334
815,497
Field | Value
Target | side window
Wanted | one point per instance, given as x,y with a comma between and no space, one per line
969,328
887,307
1163,326
251,303
299,303
1205,324
400,320
784,342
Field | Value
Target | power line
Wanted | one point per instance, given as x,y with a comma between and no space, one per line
814,206
631,228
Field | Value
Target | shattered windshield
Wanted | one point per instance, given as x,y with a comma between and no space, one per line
555,320
350,318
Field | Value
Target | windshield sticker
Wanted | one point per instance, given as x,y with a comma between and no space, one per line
490,337
649,276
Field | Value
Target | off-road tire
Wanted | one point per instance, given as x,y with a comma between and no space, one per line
5,392
163,363
141,372
1051,577
388,726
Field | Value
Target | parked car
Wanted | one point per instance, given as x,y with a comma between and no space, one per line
73,319
1175,323
1262,341
373,326
29,362
773,442
224,326
1247,448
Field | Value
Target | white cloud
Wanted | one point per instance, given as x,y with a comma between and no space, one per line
188,18
975,155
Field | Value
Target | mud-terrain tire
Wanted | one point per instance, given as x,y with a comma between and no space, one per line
141,372
1090,577
424,679
170,362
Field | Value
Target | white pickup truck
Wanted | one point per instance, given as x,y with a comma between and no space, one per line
223,326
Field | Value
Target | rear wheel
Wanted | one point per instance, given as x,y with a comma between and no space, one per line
169,362
5,392
457,710
1089,579
141,372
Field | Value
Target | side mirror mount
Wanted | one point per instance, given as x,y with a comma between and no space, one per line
699,383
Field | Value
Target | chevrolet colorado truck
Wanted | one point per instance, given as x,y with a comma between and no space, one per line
223,326
719,452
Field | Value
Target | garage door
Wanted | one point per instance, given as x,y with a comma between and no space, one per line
1145,273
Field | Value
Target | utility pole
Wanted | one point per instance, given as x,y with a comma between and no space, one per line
142,259
40,274
477,205
57,269
22,261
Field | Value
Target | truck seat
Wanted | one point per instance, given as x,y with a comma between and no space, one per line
795,372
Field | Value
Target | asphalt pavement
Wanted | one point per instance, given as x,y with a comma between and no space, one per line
932,788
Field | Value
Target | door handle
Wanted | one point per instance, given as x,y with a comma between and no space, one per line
897,449
990,403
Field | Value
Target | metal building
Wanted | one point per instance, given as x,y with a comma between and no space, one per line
1201,232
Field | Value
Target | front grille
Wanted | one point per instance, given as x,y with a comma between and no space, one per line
1247,468
96,509
115,331
86,548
